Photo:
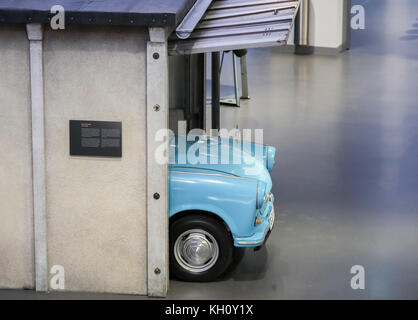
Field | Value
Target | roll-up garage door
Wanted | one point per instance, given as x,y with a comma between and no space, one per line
234,24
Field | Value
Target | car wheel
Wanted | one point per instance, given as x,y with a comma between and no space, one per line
201,248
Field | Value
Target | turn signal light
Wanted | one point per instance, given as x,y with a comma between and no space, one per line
257,221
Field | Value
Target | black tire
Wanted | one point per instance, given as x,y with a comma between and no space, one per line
218,231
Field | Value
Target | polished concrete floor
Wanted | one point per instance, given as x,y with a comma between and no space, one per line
346,179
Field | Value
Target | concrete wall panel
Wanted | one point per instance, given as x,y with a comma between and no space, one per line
16,213
96,207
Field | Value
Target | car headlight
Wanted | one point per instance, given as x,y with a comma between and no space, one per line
261,190
270,155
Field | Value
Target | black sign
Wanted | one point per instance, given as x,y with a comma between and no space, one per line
95,138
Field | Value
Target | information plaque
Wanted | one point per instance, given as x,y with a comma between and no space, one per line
95,138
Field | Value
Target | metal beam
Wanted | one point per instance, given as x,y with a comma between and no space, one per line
157,173
216,87
35,36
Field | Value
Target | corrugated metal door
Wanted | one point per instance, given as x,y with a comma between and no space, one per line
234,24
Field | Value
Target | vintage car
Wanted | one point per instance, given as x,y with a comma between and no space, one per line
217,205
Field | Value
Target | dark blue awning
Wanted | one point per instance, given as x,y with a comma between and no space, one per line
151,13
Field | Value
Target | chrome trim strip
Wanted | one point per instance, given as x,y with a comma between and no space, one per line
214,174
250,242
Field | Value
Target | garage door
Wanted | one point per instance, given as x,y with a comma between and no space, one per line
234,24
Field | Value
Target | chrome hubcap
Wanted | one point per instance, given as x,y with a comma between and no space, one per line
196,250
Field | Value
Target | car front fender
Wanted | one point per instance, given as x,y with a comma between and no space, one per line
231,198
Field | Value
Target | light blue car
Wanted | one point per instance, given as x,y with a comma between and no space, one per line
216,205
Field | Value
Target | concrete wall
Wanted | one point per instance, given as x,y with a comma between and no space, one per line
326,23
16,215
96,207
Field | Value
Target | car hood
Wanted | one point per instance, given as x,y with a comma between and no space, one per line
213,155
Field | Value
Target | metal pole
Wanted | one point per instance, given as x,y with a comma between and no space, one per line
244,78
202,101
234,65
346,25
303,23
216,86
302,29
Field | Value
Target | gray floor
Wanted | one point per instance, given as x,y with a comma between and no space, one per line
346,181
